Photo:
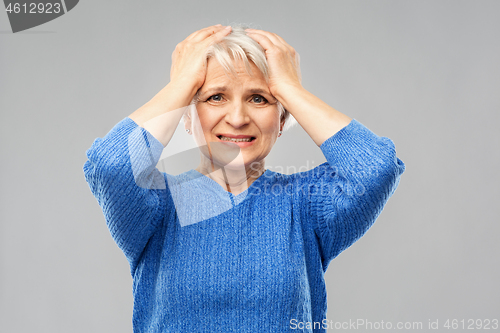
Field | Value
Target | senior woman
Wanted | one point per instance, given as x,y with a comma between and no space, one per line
231,246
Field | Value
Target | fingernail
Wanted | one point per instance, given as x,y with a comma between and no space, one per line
228,27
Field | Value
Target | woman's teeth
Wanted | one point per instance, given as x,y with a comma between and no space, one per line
225,138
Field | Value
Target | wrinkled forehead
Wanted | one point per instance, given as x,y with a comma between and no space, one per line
238,73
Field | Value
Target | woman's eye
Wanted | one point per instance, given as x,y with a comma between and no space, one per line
215,98
259,99
255,99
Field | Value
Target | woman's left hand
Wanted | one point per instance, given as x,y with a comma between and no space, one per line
317,118
283,61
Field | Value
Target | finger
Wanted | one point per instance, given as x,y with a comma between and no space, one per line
276,39
195,33
270,35
279,42
219,34
263,40
204,33
288,46
290,50
212,35
200,35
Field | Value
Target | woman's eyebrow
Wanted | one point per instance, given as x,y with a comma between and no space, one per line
259,91
224,88
209,90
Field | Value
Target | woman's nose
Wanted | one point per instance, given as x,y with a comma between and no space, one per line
237,115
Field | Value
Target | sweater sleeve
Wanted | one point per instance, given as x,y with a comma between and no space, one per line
122,175
346,194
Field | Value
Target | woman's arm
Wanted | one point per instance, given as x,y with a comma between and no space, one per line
121,166
318,119
120,170
161,115
341,198
345,195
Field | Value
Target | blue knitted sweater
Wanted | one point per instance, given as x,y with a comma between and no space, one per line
205,260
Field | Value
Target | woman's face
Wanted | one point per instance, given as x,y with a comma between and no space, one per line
239,117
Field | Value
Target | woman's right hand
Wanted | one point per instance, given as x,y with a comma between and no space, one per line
189,57
161,115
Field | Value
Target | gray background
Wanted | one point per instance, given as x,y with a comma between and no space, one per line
423,73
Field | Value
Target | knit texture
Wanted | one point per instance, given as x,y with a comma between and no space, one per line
205,260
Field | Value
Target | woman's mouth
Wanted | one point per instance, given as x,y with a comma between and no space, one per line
225,138
240,140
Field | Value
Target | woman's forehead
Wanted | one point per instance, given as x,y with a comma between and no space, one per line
219,79
216,71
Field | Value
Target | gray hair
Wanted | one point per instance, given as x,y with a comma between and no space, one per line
238,46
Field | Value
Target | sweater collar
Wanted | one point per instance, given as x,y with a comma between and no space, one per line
253,189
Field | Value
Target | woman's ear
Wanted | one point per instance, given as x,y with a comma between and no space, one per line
282,121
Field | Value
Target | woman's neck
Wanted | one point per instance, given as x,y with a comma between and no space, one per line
232,179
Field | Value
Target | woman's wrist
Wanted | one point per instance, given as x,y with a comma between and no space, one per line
183,89
288,93
173,96
317,118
